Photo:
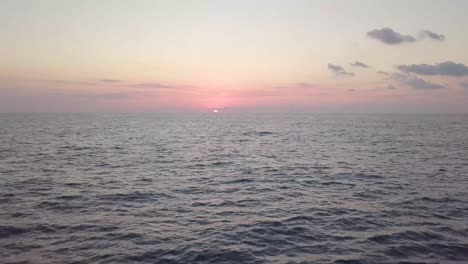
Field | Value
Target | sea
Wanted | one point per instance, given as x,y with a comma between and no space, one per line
233,188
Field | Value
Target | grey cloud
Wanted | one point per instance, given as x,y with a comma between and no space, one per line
420,84
415,82
115,95
71,82
389,36
464,85
391,87
383,73
447,68
151,85
110,81
338,70
359,64
307,85
400,77
432,35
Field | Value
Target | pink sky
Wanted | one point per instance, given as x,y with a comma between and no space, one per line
318,56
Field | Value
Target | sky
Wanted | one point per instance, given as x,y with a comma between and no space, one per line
339,56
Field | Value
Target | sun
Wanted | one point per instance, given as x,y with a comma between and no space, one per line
215,110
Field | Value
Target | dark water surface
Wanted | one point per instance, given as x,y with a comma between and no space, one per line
227,188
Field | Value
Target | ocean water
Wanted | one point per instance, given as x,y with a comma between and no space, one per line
233,188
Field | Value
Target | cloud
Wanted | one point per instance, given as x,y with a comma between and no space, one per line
110,81
111,95
389,36
464,85
71,82
338,70
359,64
420,84
307,85
432,35
415,82
391,87
382,73
151,85
447,68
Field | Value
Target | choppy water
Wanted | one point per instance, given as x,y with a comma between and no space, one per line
233,188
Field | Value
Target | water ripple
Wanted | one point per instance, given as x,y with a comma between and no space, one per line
110,188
